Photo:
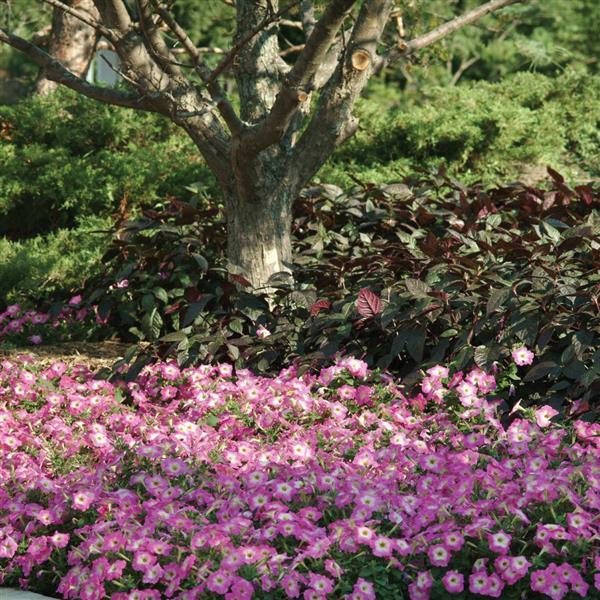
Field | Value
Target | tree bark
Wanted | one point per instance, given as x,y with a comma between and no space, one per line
257,65
259,246
71,42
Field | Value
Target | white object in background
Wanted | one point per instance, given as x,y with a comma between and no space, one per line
104,70
10,594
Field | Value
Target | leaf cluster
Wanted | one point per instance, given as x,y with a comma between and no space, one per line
406,276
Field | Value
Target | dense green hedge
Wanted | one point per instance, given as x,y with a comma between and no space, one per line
489,131
64,158
43,266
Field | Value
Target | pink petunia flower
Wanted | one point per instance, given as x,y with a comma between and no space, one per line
439,556
219,582
544,415
499,542
522,356
454,582
478,583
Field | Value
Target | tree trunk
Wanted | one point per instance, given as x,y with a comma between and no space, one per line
71,42
259,246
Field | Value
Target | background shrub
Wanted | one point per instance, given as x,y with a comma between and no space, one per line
43,267
64,158
495,132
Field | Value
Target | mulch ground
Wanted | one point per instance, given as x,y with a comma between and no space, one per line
94,355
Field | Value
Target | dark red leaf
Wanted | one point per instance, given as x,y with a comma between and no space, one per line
239,279
555,175
549,200
585,193
578,407
318,306
368,303
192,294
568,244
173,308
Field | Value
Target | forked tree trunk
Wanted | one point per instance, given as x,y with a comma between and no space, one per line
71,42
264,155
259,246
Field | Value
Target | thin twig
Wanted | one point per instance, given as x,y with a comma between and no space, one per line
216,92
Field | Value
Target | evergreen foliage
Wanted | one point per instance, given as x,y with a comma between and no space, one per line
43,266
482,131
64,158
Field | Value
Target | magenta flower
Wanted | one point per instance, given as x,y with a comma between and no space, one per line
290,584
439,556
60,540
247,463
478,583
454,582
83,500
438,372
262,332
357,368
522,356
382,546
219,582
115,570
365,588
364,534
321,584
346,392
142,561
499,542
333,568
454,540
241,589
544,415
8,547
577,520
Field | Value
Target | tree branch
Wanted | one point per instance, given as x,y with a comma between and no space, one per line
107,33
268,20
299,82
179,99
333,122
406,48
214,89
154,40
115,14
308,16
136,57
57,72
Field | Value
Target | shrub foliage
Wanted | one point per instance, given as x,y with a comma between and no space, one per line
403,276
64,158
479,131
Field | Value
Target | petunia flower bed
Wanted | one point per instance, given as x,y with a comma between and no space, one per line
205,483
64,321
